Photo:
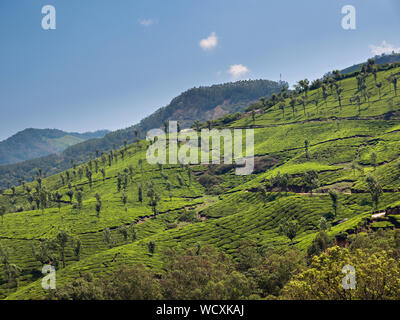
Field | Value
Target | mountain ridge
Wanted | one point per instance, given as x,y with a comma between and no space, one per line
32,143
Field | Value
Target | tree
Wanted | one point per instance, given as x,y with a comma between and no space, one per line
133,232
393,79
375,189
303,101
89,177
189,170
304,84
289,229
124,199
154,198
282,107
293,104
320,243
79,200
357,100
11,271
263,102
119,182
374,160
306,146
311,181
124,232
58,196
77,249
140,194
339,92
334,195
43,200
99,204
3,211
323,224
376,277
325,94
152,246
107,237
61,240
197,125
379,86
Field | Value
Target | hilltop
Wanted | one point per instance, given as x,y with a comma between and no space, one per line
379,60
209,103
34,143
325,154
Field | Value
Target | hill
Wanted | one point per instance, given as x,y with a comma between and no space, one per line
209,103
33,143
329,155
379,60
202,103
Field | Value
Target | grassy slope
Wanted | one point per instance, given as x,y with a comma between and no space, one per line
336,136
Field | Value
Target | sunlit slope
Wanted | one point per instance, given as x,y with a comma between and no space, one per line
341,144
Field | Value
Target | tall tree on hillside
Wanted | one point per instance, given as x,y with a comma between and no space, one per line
70,194
282,107
393,80
374,189
154,198
11,271
124,199
61,240
77,249
107,237
289,229
152,247
197,125
99,205
379,86
304,84
263,102
43,200
3,211
374,160
339,92
325,94
356,98
311,181
140,194
79,200
165,126
336,75
306,146
303,102
57,197
334,195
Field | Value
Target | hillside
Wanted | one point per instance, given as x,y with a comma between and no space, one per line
202,103
123,211
209,103
34,143
379,60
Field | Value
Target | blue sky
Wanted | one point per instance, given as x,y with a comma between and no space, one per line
110,63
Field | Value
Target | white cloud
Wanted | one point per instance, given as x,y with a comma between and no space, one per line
384,47
147,22
238,70
210,42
